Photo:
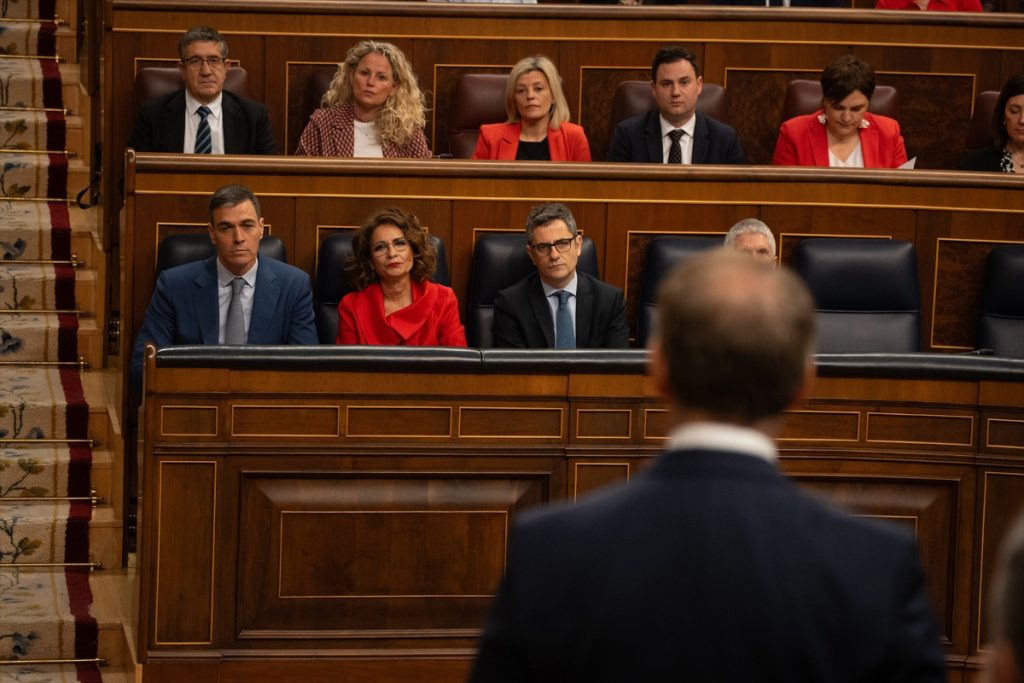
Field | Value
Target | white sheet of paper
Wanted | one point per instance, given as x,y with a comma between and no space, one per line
910,164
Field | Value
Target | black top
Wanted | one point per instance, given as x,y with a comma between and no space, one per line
533,151
986,159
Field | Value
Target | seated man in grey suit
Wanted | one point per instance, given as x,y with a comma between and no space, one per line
234,297
675,132
203,118
711,565
1006,607
752,237
558,307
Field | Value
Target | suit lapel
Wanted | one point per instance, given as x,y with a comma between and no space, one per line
174,126
509,144
231,116
264,303
652,138
700,140
584,311
869,143
206,302
819,141
556,145
542,311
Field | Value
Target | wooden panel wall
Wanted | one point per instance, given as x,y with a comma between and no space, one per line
953,219
418,520
939,63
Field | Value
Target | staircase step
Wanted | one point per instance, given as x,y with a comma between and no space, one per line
67,43
105,537
113,597
70,76
76,133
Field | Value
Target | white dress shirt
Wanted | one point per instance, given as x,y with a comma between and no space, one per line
685,142
366,143
224,278
718,436
192,118
549,294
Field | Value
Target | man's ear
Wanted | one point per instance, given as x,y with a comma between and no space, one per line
804,390
263,228
659,370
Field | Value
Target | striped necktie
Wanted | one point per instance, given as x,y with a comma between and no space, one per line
204,139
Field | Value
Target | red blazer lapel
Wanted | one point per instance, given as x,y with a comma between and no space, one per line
509,143
819,141
869,146
556,145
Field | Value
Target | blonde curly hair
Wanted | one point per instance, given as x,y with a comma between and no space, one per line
404,112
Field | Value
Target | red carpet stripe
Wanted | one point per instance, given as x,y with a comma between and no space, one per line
53,98
56,131
86,630
60,231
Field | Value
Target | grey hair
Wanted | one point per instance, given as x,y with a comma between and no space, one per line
750,225
233,195
202,33
545,213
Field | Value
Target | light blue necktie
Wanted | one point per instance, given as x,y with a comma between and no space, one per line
234,325
204,139
565,335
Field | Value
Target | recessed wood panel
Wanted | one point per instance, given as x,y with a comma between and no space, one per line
399,421
511,423
593,423
1002,502
185,565
188,420
657,423
934,430
820,425
296,420
429,553
594,475
1005,433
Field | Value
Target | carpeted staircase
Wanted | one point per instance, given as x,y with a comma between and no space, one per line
57,525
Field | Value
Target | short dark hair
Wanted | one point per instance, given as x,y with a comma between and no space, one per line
1013,87
670,54
540,216
204,33
735,335
846,75
232,195
1006,603
360,264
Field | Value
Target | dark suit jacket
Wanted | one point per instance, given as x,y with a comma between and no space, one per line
522,316
160,125
639,139
708,566
983,159
184,309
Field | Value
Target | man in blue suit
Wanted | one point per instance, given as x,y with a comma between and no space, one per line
234,297
675,132
710,565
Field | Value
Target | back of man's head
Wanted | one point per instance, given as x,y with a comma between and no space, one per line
735,336
1006,607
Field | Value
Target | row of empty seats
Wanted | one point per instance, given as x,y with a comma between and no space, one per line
479,99
866,290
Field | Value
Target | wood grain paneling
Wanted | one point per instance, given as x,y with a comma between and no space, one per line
509,422
1002,502
598,423
188,420
820,425
921,429
391,421
285,421
590,476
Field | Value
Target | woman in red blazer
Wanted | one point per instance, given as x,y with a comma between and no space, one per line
396,305
842,134
538,127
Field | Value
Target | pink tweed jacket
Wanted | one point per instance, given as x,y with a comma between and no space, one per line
330,133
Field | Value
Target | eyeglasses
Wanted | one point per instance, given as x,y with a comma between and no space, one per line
381,248
195,63
544,248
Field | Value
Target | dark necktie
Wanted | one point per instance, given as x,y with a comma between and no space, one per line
204,139
234,326
565,335
675,150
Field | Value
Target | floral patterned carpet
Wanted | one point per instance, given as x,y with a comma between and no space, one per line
47,634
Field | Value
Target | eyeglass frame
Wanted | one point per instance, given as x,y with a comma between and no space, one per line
399,244
195,62
544,248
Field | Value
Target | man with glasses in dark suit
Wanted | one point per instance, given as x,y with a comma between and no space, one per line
203,118
558,307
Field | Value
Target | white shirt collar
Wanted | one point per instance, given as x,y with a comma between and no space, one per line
225,276
718,436
689,126
192,104
571,287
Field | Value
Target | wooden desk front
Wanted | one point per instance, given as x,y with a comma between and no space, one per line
329,522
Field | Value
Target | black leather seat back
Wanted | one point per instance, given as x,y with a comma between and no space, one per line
332,283
663,254
1001,323
865,291
499,261
182,248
